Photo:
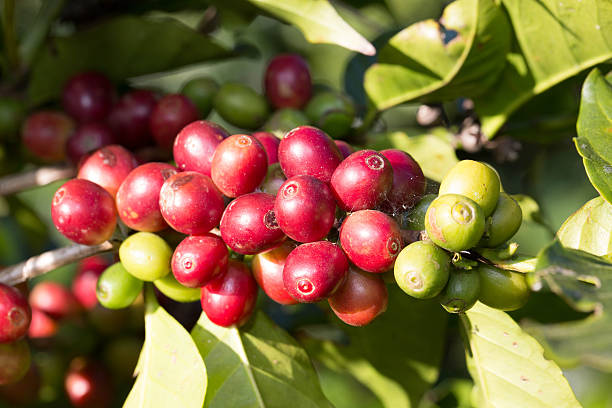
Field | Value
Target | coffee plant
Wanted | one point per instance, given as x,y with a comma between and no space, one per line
304,203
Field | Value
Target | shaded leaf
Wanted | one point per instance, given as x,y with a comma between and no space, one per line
589,228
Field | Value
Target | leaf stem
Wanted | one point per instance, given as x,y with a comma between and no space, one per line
41,176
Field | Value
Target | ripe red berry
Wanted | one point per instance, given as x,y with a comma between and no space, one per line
87,138
172,113
307,150
198,259
84,212
362,180
268,272
287,81
239,165
138,197
86,279
88,384
54,299
195,145
15,360
108,167
408,181
15,314
361,298
230,298
345,148
45,134
249,225
88,97
270,143
130,117
190,203
314,271
305,208
42,326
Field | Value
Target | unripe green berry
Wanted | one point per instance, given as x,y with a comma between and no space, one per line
169,286
503,223
117,288
331,112
421,269
502,289
146,256
283,120
241,106
415,219
461,292
201,91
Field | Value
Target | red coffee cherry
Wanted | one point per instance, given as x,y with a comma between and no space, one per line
87,138
42,325
249,224
84,212
268,272
239,165
108,167
309,151
190,203
195,145
45,134
172,113
361,298
130,117
15,314
88,384
305,208
88,97
15,360
86,279
287,81
314,271
138,197
345,148
54,299
362,180
198,259
229,299
270,143
408,181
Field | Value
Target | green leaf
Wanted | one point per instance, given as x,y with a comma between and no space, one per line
170,370
258,365
121,48
589,228
318,21
460,56
508,366
433,151
594,141
555,41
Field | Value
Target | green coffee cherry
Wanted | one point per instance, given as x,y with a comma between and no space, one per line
421,269
331,112
415,220
201,91
241,106
12,112
116,288
502,289
169,286
146,256
503,223
461,292
283,120
454,222
474,180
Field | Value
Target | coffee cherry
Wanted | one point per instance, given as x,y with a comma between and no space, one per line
454,222
138,197
88,384
314,271
54,299
241,106
130,117
42,325
108,167
190,203
415,220
195,145
371,240
461,292
360,299
332,112
84,212
15,314
117,288
239,165
305,208
408,181
86,279
502,289
274,179
24,392
474,180
268,272
173,289
308,151
201,91
45,134
287,81
362,181
270,144
146,256
87,138
345,149
88,97
229,299
283,120
12,112
172,113
198,259
249,224
14,361
422,269
503,223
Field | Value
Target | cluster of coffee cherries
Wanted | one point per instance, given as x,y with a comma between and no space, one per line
470,212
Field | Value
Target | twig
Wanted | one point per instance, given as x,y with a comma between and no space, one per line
38,177
50,260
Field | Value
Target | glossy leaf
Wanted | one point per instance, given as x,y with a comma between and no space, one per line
594,141
170,370
258,365
508,366
589,228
